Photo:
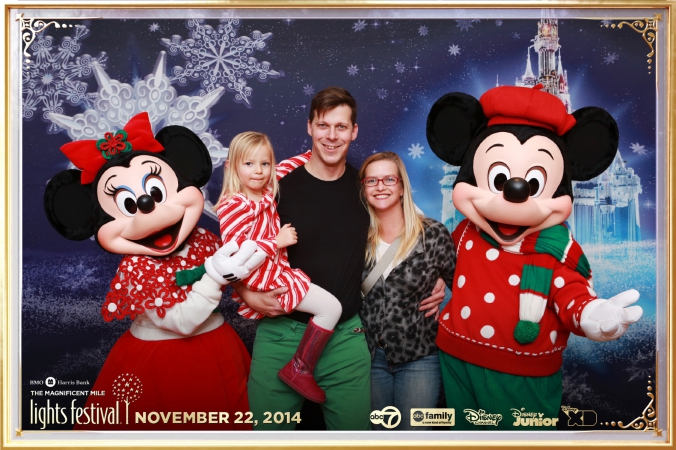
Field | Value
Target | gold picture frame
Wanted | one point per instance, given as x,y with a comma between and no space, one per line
650,22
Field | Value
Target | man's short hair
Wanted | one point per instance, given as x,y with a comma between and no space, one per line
330,98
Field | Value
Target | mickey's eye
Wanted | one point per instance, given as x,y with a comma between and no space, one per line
536,178
498,175
155,188
126,202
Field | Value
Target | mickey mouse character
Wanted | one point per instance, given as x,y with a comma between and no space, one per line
139,195
522,284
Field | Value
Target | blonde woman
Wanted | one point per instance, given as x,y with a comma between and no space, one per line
405,366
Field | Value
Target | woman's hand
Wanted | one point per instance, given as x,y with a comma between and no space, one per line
262,302
287,236
431,303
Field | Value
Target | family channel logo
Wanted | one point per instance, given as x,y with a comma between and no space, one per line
389,417
433,417
481,417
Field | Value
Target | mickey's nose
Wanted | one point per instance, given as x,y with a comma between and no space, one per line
516,190
145,204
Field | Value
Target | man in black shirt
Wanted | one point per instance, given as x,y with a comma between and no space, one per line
321,200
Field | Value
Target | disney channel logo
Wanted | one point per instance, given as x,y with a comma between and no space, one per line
481,417
389,417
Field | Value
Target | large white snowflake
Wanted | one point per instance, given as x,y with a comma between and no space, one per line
352,70
415,151
359,25
219,57
400,67
639,149
498,23
55,75
516,36
308,90
454,50
464,24
118,102
382,94
610,58
154,27
423,30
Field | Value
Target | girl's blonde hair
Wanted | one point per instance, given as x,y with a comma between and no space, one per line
413,222
242,147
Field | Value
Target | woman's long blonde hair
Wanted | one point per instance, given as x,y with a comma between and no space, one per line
413,222
243,146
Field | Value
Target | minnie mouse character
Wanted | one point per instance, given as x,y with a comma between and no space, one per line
522,284
139,195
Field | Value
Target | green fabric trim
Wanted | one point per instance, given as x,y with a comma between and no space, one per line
553,241
536,279
190,276
583,266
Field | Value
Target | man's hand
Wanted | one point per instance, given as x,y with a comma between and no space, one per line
287,236
263,302
228,264
431,303
607,320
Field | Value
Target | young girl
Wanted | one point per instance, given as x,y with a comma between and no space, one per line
247,211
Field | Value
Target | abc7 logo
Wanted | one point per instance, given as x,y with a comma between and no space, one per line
389,417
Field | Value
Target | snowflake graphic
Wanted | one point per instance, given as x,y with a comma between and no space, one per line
359,25
382,94
308,90
400,67
464,24
423,30
219,57
454,50
115,103
55,75
606,23
516,35
610,58
214,133
639,149
352,70
154,27
415,151
498,23
649,204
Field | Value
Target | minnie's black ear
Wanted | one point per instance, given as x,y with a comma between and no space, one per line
452,123
187,153
68,205
591,144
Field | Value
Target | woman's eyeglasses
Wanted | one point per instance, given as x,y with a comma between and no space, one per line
389,180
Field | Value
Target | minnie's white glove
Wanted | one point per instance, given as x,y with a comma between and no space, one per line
607,320
225,266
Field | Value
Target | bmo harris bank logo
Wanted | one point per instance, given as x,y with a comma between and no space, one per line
389,417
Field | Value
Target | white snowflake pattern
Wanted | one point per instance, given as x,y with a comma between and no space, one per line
516,36
498,23
454,50
359,25
308,90
400,67
649,204
154,27
219,57
415,151
464,24
214,133
352,70
423,30
610,58
55,75
606,22
382,94
639,149
117,102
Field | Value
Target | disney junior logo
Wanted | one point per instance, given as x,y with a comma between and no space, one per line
389,417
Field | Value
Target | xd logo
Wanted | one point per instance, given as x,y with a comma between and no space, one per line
389,417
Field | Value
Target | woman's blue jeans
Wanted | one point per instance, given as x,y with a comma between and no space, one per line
405,386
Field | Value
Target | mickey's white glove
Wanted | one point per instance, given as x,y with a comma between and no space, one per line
607,320
225,266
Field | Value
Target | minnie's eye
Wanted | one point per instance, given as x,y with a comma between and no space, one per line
126,202
498,175
536,178
155,188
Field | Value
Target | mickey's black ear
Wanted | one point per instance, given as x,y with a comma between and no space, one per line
591,144
452,123
68,205
188,154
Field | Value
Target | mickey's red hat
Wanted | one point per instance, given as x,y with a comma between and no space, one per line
512,105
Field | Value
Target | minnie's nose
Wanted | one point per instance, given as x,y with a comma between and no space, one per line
145,204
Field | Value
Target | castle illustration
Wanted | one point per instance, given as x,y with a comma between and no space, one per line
606,208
